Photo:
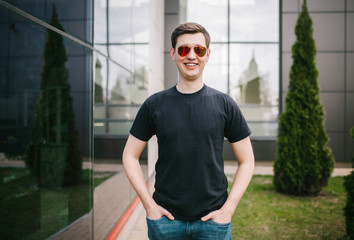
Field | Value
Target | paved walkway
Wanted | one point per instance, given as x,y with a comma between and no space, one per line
136,228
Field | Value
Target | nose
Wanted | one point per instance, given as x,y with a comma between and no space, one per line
191,54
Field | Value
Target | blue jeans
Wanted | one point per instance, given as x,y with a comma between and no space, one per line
166,229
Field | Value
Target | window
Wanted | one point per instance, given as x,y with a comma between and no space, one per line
121,81
244,60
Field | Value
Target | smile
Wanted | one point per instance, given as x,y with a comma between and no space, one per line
191,64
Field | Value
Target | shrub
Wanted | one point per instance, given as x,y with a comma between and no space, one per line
304,161
349,207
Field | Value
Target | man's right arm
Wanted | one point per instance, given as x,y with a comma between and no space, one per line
131,155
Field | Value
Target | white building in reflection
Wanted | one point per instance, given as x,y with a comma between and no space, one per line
248,91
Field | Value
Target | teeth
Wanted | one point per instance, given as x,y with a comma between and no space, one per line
191,64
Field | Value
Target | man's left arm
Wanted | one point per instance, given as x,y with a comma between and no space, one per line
244,154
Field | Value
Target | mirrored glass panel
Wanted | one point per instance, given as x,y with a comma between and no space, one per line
244,61
263,129
212,15
100,21
46,175
119,127
119,78
122,74
123,112
139,87
254,20
128,21
216,70
254,73
74,16
100,78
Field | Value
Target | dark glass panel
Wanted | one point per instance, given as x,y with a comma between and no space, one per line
46,136
75,16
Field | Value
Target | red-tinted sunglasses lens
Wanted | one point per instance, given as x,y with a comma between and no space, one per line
184,50
200,51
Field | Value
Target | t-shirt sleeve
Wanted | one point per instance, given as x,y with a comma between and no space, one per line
142,127
236,127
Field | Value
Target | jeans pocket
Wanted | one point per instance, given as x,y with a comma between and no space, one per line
161,229
218,231
220,224
155,220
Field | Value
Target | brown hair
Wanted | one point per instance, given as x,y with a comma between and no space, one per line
189,28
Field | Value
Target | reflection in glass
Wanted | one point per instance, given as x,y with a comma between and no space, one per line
99,127
123,77
39,125
139,87
266,129
100,24
254,73
130,21
212,15
119,85
119,127
100,111
75,16
215,73
254,20
255,112
123,112
49,156
244,60
99,94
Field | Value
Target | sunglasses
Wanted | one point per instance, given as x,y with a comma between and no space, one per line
185,50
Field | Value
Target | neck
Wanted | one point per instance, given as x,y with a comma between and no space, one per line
189,86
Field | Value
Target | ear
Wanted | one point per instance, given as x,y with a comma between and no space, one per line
208,54
172,53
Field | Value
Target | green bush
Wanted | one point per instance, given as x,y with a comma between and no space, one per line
349,207
304,161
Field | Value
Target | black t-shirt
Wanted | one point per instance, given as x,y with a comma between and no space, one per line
190,130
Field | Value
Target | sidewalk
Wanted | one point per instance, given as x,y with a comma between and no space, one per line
136,228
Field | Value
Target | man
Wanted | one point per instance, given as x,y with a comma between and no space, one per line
190,121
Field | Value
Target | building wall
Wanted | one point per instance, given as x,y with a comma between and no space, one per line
156,71
172,19
333,23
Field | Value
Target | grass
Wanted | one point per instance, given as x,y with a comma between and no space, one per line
265,214
37,213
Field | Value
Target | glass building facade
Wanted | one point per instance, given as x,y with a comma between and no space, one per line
46,175
63,90
121,32
244,62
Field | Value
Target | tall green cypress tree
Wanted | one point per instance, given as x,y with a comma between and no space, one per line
304,161
53,153
349,206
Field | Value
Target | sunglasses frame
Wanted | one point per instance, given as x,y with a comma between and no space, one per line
189,48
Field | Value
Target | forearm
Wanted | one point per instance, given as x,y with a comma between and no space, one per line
240,183
244,153
130,158
131,154
135,175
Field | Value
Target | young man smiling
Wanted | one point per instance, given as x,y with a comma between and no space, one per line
190,121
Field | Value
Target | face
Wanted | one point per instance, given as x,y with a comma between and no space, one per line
190,66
